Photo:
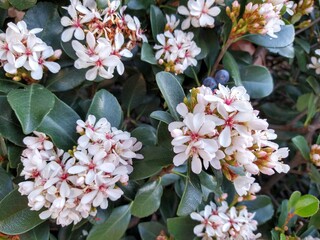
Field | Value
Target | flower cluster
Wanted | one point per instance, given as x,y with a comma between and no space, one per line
72,185
279,4
315,62
176,51
222,129
263,18
25,56
222,222
110,35
304,7
315,154
200,13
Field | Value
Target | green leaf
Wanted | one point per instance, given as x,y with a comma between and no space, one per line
150,230
181,227
5,183
66,79
145,134
287,51
68,49
31,105
285,38
40,232
22,5
171,91
104,104
45,15
14,155
314,84
158,21
257,80
303,101
209,185
293,199
147,54
7,85
315,220
147,200
115,226
4,4
191,197
263,208
301,144
231,66
15,214
306,206
134,91
162,116
155,158
140,4
9,128
305,45
60,125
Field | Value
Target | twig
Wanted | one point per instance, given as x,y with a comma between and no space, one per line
311,24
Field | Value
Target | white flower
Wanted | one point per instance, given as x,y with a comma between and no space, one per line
243,184
200,13
272,18
315,62
172,22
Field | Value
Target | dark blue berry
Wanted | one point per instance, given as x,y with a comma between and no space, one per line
222,76
210,82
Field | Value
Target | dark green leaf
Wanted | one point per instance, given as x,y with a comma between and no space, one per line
147,200
162,116
9,128
314,84
114,227
5,5
134,91
263,208
66,79
5,183
171,91
301,143
145,134
285,38
315,220
158,21
303,101
191,197
232,67
31,105
40,232
104,104
140,4
15,214
68,49
257,80
14,155
147,54
60,125
306,206
45,15
155,158
181,227
150,230
305,45
6,85
22,5
209,185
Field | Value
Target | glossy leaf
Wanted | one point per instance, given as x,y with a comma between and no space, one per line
301,144
157,20
232,67
5,183
22,5
134,91
145,134
40,232
66,79
115,225
45,15
285,38
257,80
306,206
147,54
60,125
171,91
147,200
191,197
162,116
181,227
31,105
15,214
150,230
6,85
155,158
293,199
263,208
9,126
104,104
